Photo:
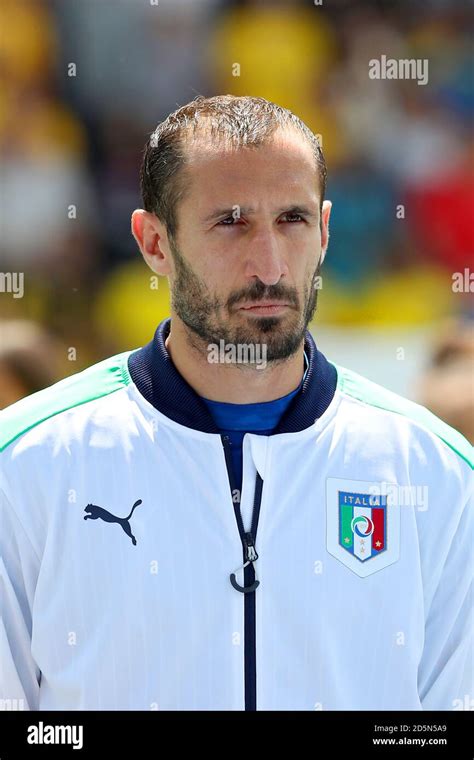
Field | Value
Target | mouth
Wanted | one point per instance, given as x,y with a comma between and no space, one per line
265,308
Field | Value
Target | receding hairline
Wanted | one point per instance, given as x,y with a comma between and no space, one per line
198,141
201,136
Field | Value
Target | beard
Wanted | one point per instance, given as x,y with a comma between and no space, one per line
209,320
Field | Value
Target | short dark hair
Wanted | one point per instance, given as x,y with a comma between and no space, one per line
241,120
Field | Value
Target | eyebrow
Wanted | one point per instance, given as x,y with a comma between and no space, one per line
248,211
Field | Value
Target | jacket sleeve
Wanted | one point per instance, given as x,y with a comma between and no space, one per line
19,566
445,675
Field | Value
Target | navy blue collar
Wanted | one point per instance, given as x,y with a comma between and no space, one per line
161,384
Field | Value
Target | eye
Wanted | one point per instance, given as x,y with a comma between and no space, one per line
299,218
228,221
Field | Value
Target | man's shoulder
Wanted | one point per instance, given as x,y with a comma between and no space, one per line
418,417
94,382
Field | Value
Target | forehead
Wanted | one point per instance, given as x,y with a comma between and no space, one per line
285,163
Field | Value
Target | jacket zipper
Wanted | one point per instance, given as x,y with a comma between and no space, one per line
250,582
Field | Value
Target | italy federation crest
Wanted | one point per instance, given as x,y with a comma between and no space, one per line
363,530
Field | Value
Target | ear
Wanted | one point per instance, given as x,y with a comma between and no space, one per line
325,214
152,239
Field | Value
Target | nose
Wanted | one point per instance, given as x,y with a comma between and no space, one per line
265,259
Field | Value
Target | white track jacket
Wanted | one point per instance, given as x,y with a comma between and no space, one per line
122,543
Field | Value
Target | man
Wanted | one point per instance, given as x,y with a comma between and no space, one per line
187,527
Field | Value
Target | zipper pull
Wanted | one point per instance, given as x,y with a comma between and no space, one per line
251,555
250,551
244,589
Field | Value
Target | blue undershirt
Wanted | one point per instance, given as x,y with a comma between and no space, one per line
234,420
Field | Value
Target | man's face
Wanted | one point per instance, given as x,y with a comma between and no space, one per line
249,233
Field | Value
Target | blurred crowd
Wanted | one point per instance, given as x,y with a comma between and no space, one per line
84,82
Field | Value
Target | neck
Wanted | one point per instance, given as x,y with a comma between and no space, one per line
231,383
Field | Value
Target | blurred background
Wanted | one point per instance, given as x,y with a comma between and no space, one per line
84,83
